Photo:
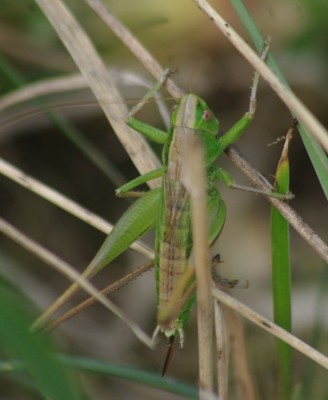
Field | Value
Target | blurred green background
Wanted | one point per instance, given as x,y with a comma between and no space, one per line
180,37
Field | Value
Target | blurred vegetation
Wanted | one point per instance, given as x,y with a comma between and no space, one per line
180,37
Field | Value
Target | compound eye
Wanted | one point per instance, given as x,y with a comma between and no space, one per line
207,116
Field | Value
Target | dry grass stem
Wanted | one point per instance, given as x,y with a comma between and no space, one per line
106,292
270,327
285,94
133,45
291,216
94,71
194,179
70,83
42,88
222,351
241,369
65,203
68,271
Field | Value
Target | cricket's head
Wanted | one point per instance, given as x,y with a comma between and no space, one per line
192,112
205,120
202,120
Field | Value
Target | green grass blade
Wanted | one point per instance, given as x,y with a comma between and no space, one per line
34,351
315,151
116,371
281,275
132,374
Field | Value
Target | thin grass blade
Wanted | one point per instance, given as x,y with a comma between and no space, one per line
281,273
